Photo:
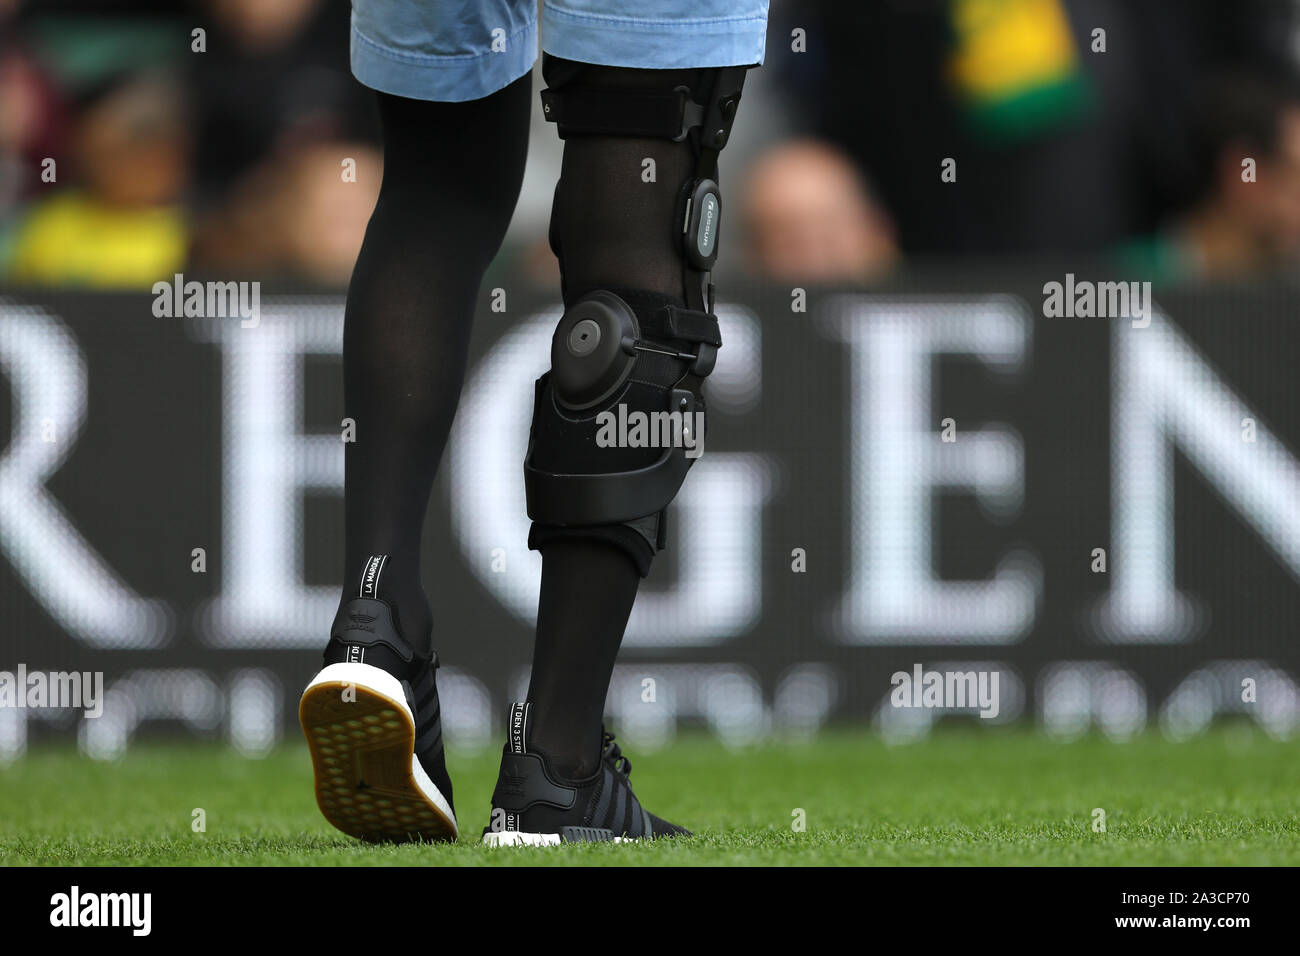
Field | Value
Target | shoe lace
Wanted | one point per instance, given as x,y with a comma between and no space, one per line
611,751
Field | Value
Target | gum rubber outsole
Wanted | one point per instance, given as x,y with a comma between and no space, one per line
361,754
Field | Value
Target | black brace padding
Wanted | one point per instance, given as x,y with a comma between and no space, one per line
610,112
572,500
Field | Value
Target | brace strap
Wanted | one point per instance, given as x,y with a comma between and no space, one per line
689,325
612,112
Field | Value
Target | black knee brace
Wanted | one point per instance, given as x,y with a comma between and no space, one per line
623,355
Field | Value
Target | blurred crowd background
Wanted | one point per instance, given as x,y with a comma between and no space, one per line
126,155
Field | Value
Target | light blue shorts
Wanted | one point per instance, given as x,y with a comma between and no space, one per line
456,50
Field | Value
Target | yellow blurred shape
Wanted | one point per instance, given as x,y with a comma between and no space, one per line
74,240
1006,46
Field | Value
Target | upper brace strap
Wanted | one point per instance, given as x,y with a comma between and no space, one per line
615,112
689,325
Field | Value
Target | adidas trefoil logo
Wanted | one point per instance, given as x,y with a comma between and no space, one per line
360,622
513,783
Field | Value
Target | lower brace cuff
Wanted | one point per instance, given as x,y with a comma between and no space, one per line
622,537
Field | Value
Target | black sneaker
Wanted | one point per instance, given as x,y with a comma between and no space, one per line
373,725
533,805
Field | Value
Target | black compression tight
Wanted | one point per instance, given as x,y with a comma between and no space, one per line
452,173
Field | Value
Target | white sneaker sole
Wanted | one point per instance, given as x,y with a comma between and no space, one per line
517,838
361,734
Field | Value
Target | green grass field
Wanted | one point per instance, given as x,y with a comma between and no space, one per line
960,797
